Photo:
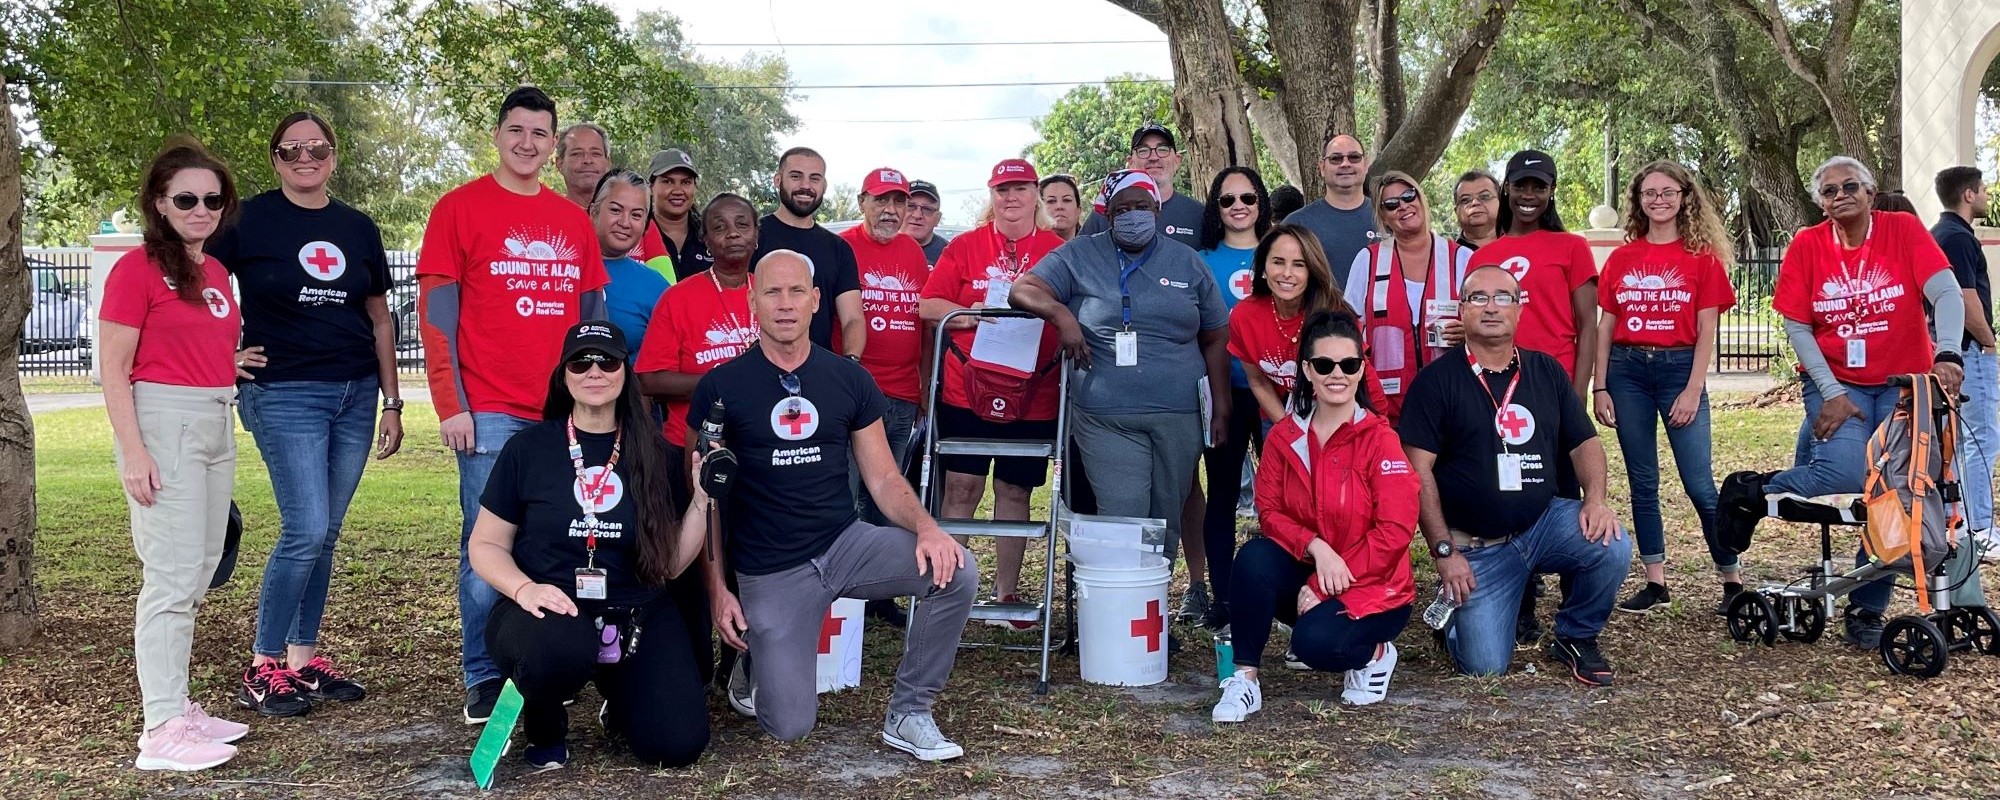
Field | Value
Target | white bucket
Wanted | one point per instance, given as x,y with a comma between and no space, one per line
1121,615
839,665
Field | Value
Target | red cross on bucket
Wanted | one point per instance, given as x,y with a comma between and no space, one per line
322,261
829,628
1150,625
1512,424
797,420
1241,284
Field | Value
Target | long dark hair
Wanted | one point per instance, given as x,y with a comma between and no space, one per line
645,459
1321,294
163,244
1211,212
1320,325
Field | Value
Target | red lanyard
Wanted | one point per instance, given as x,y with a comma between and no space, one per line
1007,254
1840,251
722,299
592,491
1501,403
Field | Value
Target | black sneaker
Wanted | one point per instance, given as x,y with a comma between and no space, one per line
1653,596
1585,663
1527,631
271,690
888,612
1730,590
1861,627
480,699
323,681
1217,617
546,757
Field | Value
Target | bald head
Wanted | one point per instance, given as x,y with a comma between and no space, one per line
1489,278
785,298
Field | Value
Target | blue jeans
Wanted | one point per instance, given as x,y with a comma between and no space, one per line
1982,440
490,432
1481,635
1644,385
898,419
1837,466
314,437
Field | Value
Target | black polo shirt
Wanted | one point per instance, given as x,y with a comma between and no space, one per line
1968,261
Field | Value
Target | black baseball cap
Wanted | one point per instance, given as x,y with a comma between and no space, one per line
1153,129
594,336
925,187
1531,164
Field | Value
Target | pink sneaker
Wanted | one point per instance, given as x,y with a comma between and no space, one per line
216,728
179,745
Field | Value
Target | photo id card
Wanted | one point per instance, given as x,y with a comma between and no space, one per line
1510,472
1126,344
591,583
1857,353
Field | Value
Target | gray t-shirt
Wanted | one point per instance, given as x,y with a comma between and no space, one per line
936,247
1180,220
1341,233
1174,298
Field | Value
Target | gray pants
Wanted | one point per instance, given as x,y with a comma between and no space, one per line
1141,465
786,609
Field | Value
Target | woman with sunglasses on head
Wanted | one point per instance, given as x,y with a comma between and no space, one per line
1338,504
578,530
1407,328
1667,289
320,345
1852,291
169,327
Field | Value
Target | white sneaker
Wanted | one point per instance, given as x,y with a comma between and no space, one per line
742,693
1987,544
1370,684
1292,661
1241,697
179,745
918,735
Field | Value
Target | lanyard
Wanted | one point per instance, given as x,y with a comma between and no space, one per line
1840,252
1125,271
592,491
1007,255
1500,403
722,301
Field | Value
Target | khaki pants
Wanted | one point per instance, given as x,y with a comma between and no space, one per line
190,434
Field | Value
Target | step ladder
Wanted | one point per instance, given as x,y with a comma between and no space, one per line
931,490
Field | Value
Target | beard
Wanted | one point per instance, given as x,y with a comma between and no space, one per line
792,204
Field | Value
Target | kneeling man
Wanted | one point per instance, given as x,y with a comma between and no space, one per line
794,412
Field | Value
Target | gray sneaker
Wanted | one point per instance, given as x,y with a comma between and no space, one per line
742,693
1194,604
917,734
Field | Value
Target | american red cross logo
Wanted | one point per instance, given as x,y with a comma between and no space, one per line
797,420
794,418
829,628
1240,283
217,304
1150,625
607,495
1515,424
323,260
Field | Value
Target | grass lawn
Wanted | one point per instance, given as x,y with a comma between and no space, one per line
1692,715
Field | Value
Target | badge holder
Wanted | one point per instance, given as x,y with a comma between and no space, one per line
1510,472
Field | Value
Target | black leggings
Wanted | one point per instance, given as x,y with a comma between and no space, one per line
654,697
1225,487
1267,583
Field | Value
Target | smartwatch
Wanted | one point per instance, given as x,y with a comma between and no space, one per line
1442,549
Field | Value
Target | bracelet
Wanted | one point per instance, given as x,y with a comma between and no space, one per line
1605,391
517,590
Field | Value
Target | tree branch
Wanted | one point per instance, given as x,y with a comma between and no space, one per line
1661,25
1152,11
1415,145
1385,57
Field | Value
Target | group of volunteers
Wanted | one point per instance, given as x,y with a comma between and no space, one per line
588,350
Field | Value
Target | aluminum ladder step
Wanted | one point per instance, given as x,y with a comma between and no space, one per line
996,447
1020,529
1007,612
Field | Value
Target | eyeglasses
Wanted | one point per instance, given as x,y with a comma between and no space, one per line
582,364
186,201
1482,198
1161,151
1325,366
289,152
1659,194
1482,299
1393,203
1337,159
1229,200
790,383
1833,190
920,209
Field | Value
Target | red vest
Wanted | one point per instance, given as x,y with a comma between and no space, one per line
1396,340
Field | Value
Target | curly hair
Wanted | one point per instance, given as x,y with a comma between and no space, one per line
1699,223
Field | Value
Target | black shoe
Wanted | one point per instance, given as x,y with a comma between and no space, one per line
1585,663
888,612
1740,504
1217,617
1730,590
271,690
324,681
1861,627
1649,598
546,757
480,698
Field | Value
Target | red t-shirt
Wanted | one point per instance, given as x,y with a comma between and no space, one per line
650,245
1265,343
1551,266
180,343
1871,296
892,275
522,265
696,327
969,263
1656,293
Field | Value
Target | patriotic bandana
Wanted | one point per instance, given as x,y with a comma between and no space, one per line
1119,181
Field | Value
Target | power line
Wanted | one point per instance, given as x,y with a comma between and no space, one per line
916,121
754,87
932,44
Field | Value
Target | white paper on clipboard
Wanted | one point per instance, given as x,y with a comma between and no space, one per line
1013,343
1205,397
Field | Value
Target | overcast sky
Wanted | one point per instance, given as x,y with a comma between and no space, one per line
953,136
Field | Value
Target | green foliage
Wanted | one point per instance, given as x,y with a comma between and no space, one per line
733,133
1088,132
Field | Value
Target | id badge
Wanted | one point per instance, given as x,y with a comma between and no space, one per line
591,583
1857,353
1126,344
1510,472
1392,385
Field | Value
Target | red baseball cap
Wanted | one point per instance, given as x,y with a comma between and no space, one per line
884,180
1013,170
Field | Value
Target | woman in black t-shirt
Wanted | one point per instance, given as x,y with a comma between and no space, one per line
577,530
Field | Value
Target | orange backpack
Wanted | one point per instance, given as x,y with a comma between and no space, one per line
1912,460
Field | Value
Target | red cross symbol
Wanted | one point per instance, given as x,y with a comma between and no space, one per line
1150,625
607,496
1512,424
797,420
1241,284
323,261
217,305
828,629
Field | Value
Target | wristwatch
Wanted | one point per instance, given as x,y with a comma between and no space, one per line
392,404
1442,549
852,357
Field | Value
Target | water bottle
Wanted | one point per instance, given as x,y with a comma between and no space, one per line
1225,656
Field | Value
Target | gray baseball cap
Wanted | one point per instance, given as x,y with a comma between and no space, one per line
669,160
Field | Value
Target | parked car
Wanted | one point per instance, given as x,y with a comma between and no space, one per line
60,316
947,231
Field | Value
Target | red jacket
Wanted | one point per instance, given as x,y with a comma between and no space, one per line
1356,492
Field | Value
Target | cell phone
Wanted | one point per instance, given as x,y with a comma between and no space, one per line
1439,613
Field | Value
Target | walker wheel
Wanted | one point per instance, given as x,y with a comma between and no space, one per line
1982,629
1912,645
1808,620
1751,617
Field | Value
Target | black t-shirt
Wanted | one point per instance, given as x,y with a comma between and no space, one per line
935,249
1447,413
534,486
834,271
694,257
305,276
791,498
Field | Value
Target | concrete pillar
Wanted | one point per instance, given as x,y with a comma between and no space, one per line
105,250
1947,45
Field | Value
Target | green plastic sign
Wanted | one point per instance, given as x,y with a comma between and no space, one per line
493,739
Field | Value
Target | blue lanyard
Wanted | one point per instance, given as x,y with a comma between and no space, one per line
1125,271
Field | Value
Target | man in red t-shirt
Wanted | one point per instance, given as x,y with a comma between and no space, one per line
892,269
507,266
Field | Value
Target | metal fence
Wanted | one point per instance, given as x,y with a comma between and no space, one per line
403,306
56,339
1748,335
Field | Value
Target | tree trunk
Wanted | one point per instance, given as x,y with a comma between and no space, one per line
1420,138
1891,173
1385,59
1314,42
1269,118
17,427
1770,156
1208,91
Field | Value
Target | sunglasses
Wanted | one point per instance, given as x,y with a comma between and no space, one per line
186,201
1229,200
1833,190
1325,366
582,364
790,383
1406,198
289,152
1482,299
1350,158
